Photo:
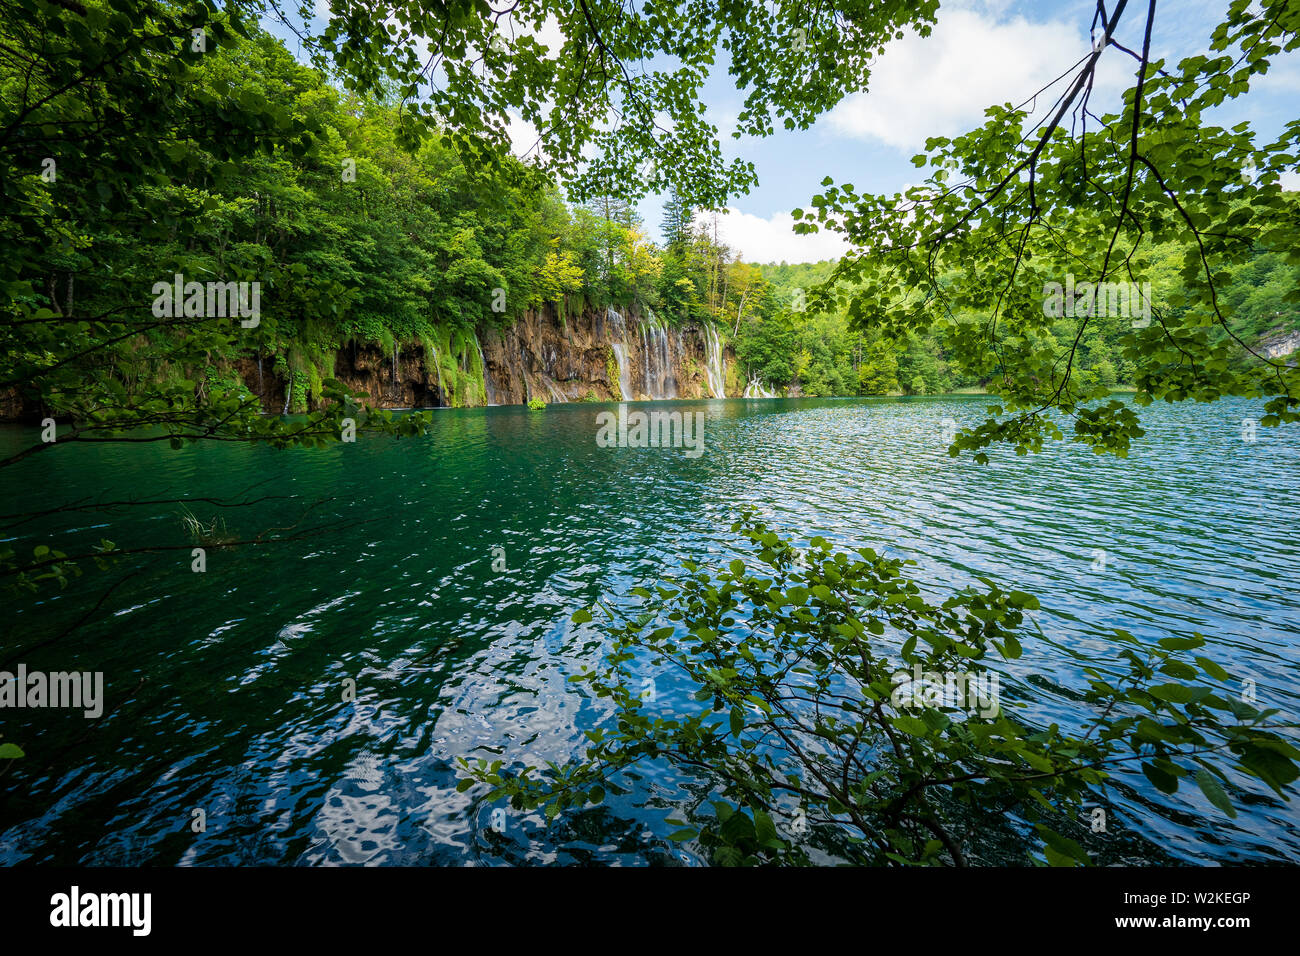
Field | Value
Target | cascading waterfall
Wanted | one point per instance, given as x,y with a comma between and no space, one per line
657,352
558,377
756,389
488,397
556,395
618,324
713,350
624,373
437,364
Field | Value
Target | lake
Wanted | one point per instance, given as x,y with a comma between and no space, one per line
439,574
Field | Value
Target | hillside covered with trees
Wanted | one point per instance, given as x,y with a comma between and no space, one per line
354,236
358,235
782,341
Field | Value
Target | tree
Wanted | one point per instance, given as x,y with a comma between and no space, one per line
560,276
743,282
878,371
676,227
619,217
825,703
1004,216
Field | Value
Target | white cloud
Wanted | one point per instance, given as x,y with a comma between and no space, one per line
940,85
757,239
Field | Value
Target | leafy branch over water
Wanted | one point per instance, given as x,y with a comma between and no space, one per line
797,713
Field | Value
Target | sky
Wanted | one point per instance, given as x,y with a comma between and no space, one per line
980,53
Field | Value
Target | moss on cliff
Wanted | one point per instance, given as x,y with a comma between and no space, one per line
612,376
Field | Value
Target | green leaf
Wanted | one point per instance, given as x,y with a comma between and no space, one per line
1063,845
911,725
1057,858
1172,693
1164,782
1214,791
1269,765
1213,669
765,830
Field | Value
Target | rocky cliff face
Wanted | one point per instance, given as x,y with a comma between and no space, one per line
409,381
592,356
1280,344
364,369
601,356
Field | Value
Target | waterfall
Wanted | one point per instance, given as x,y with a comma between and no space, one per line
713,348
442,394
624,373
394,361
654,375
556,396
756,389
668,388
616,321
488,397
656,344
645,350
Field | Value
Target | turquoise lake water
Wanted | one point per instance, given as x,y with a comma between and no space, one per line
225,689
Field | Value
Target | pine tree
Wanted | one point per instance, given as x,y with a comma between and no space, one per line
677,222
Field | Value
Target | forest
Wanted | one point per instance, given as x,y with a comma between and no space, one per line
356,237
824,356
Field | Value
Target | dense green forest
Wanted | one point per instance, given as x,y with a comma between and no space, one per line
783,342
356,237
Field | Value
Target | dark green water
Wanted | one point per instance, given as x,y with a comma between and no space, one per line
225,688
